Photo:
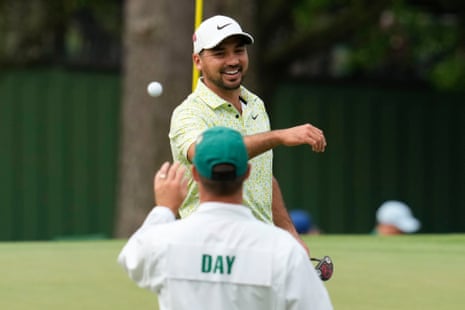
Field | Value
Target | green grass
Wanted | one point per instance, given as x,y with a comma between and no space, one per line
67,275
402,272
371,272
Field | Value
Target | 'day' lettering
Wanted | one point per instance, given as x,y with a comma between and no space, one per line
217,264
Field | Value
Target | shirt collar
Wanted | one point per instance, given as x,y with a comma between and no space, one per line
213,100
225,207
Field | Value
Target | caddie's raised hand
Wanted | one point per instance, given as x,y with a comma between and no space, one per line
305,134
170,186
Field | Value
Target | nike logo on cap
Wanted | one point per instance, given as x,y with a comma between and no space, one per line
223,26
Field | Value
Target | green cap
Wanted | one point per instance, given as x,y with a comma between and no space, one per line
217,146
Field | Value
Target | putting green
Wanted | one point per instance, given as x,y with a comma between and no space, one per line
371,272
402,272
67,275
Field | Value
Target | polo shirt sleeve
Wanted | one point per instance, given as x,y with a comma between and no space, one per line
187,123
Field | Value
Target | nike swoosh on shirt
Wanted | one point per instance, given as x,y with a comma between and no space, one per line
223,26
254,117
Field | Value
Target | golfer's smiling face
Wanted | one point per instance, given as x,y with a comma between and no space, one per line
224,66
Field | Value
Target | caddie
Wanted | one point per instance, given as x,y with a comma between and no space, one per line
221,256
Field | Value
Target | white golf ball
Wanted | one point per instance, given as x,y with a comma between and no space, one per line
155,89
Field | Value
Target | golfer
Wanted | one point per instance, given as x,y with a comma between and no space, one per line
220,257
220,99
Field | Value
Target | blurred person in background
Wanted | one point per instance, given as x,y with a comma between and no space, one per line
303,222
395,218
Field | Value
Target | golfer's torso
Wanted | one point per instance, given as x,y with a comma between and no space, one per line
202,110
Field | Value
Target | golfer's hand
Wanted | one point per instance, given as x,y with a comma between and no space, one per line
304,134
170,186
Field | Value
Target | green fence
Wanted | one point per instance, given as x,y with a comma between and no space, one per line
59,142
382,144
58,152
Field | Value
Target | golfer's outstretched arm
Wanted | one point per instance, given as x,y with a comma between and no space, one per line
298,135
262,142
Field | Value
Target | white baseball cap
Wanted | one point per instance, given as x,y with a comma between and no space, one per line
398,214
214,30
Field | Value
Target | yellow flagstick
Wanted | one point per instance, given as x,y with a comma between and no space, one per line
198,20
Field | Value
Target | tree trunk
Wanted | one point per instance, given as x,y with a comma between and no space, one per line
157,47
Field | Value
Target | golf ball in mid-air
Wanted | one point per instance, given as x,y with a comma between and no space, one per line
154,89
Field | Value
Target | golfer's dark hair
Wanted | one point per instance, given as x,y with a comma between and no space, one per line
224,181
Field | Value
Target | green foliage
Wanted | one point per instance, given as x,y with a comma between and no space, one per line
383,40
53,31
406,38
315,13
449,74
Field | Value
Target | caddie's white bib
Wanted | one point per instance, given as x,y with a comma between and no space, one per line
219,264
